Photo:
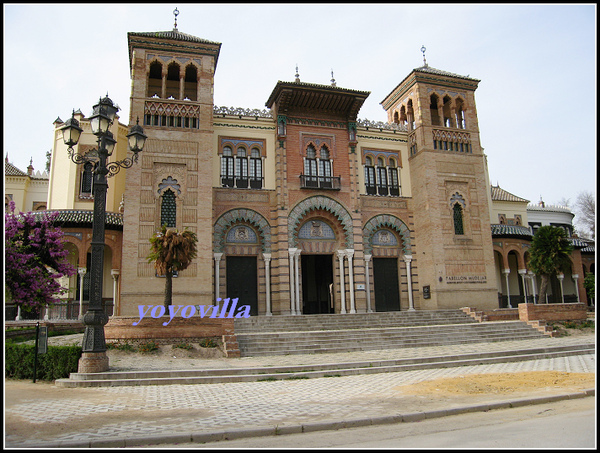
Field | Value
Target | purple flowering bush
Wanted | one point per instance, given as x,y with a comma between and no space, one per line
35,258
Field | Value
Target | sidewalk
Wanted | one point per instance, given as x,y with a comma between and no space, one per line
42,415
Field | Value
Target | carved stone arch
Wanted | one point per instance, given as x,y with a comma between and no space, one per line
315,203
386,221
457,198
229,218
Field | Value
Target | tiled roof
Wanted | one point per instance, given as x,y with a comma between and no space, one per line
11,170
511,230
499,194
81,218
172,34
431,70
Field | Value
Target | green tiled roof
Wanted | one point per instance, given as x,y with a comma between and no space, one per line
511,230
81,218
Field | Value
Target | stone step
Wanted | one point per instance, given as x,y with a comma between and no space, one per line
135,378
320,348
343,321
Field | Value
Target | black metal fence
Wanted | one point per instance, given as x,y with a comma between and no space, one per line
61,310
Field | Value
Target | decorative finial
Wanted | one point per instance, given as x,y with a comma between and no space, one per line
332,79
423,49
297,75
175,13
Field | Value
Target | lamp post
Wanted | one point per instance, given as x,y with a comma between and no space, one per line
94,358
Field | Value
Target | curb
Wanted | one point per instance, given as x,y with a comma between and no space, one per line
230,434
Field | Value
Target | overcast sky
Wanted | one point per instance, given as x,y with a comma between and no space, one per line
536,101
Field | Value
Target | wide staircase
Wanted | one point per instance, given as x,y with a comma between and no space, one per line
279,335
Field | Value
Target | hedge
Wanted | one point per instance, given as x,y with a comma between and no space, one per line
57,363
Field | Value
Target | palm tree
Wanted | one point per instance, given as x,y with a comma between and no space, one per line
171,250
549,255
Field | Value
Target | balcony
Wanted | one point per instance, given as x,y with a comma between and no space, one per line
320,182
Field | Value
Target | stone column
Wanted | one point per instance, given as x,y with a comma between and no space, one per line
561,277
18,318
81,271
506,272
523,273
368,279
292,291
267,258
115,275
350,255
575,277
532,277
341,254
297,278
217,257
407,260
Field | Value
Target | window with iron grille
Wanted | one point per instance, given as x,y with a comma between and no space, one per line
458,219
168,209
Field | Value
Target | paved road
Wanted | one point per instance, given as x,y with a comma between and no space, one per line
43,415
565,424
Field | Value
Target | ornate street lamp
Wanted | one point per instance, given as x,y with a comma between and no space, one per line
94,357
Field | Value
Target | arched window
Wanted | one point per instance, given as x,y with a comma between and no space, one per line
310,167
324,168
447,111
457,214
433,107
255,169
393,178
460,114
382,186
241,168
168,209
227,174
155,80
410,115
190,90
173,81
87,179
370,181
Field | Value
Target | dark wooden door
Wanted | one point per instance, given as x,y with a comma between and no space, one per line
242,281
385,275
317,276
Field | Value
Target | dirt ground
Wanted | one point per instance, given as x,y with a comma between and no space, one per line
501,383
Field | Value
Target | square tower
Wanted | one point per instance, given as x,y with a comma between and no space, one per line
449,188
172,77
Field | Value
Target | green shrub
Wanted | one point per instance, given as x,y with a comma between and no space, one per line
121,347
57,363
150,346
187,346
208,343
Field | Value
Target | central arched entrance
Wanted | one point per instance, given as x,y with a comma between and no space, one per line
317,284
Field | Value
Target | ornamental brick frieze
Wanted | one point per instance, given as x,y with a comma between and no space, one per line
166,108
229,218
386,221
315,203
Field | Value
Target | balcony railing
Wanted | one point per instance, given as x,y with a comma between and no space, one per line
320,182
242,183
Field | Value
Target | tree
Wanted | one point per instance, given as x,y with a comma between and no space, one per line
585,211
549,255
171,250
589,283
35,258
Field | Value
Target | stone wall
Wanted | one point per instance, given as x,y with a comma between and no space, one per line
552,312
177,330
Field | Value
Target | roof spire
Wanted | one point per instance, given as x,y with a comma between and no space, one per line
332,79
423,49
297,75
175,13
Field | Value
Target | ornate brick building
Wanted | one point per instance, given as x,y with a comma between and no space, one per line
301,207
